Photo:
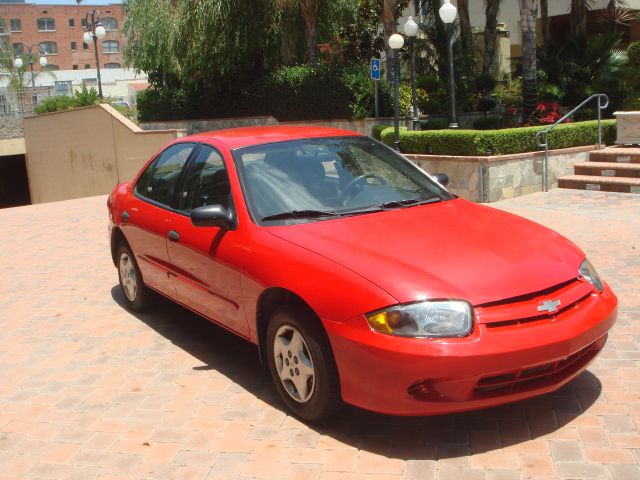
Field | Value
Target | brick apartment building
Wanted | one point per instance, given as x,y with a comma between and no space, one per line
58,29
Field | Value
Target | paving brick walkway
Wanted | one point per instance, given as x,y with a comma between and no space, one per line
90,391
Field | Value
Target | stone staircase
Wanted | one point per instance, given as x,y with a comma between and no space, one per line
612,169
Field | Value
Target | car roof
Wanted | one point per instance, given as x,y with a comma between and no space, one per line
248,136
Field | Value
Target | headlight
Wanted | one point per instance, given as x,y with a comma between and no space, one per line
450,318
590,275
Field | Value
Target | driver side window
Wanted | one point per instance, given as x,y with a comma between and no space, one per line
206,182
158,181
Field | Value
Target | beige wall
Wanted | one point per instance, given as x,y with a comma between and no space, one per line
85,152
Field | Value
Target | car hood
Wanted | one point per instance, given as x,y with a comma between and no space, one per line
451,249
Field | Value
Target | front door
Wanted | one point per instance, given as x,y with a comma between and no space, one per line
203,258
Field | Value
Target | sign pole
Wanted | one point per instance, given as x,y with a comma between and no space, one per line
375,76
377,83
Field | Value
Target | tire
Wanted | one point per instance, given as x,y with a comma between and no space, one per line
302,365
137,296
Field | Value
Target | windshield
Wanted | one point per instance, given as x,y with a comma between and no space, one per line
318,179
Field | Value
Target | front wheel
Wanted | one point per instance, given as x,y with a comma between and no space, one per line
301,364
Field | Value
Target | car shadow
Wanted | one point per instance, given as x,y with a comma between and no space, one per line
408,438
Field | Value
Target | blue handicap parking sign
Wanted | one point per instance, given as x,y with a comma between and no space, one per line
375,69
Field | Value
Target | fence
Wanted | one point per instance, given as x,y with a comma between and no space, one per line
20,103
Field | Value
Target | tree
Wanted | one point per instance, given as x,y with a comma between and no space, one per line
528,15
578,16
466,35
546,24
309,12
490,36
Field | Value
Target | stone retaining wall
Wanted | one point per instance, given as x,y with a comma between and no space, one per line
503,176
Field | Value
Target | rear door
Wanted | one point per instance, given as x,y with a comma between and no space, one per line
146,221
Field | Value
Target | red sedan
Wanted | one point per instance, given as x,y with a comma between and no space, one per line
359,277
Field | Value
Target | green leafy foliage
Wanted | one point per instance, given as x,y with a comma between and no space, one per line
81,98
499,142
433,124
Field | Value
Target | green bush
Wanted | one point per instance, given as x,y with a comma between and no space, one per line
500,142
81,98
376,130
432,124
488,123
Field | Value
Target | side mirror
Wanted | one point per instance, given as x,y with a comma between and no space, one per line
442,178
212,216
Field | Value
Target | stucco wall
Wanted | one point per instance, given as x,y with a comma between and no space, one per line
85,152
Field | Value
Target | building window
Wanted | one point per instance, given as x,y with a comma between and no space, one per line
74,46
109,23
87,66
74,67
16,25
18,48
112,65
51,67
1,25
72,23
110,46
49,48
85,46
46,25
83,22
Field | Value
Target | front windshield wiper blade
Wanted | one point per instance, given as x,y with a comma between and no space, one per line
409,202
300,214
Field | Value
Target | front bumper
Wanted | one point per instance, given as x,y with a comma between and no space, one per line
494,365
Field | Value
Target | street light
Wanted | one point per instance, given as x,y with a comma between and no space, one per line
411,30
43,63
396,42
95,31
448,13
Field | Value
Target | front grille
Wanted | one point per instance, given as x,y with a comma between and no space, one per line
523,310
538,375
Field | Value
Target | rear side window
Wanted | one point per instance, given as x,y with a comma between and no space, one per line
159,180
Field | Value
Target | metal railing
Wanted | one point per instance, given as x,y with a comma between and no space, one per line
545,133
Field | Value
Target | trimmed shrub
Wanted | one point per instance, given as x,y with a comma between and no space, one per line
433,124
499,142
488,123
376,130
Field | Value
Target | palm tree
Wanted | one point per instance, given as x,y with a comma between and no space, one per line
546,24
528,15
466,35
578,16
490,36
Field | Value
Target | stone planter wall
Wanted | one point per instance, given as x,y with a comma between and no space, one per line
493,178
628,128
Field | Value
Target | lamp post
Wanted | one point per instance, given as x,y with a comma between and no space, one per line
411,30
95,31
448,13
396,41
18,62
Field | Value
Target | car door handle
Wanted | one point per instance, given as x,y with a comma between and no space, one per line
125,216
173,236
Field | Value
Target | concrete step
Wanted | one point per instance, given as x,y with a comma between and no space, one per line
608,169
603,184
615,154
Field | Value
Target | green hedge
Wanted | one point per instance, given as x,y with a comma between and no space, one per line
500,142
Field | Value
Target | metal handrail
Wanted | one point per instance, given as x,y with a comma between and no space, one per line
545,133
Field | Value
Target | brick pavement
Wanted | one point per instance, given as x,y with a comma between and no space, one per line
91,391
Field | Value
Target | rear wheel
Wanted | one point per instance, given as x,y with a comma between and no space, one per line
301,364
137,296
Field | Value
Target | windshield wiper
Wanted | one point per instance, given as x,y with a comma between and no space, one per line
409,202
300,214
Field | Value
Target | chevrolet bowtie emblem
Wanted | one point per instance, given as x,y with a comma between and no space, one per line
549,306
